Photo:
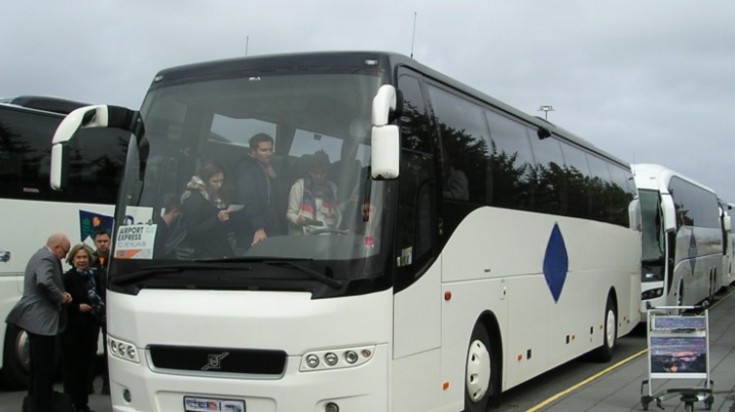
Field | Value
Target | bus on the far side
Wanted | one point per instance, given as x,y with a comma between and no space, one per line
682,238
31,210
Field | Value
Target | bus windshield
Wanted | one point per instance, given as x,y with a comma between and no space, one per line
250,171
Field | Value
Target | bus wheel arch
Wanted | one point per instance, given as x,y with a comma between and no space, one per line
16,358
610,330
483,367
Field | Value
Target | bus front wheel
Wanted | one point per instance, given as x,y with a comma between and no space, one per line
481,375
16,359
610,332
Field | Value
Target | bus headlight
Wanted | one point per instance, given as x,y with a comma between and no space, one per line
652,293
312,361
122,350
336,358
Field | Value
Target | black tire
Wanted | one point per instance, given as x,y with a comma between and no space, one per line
610,333
481,372
16,358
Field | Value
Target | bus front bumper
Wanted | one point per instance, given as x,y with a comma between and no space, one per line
135,387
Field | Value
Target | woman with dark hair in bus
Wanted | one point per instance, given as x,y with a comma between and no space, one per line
79,340
205,213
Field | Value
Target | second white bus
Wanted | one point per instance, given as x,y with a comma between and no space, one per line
682,238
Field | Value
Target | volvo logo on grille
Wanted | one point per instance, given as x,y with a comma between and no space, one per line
214,361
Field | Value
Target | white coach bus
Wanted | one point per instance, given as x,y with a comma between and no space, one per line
31,211
682,238
478,246
728,261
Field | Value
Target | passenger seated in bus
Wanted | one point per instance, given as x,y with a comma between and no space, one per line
455,182
205,213
312,203
258,188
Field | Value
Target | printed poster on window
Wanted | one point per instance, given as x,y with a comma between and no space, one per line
135,241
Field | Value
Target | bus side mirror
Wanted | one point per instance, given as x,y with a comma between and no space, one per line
86,117
668,211
89,116
634,214
384,138
726,223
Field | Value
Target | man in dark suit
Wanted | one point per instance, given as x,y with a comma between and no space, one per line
40,313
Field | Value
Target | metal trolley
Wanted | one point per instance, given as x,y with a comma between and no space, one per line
678,349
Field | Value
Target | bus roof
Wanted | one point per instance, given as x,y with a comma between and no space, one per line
386,61
47,104
655,176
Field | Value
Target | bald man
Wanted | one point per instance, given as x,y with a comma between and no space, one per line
40,313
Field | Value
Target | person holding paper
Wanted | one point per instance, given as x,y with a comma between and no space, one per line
260,190
312,203
205,213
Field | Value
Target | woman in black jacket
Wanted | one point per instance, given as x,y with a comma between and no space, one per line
205,214
79,339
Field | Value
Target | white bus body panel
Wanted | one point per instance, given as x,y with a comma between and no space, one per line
288,321
497,267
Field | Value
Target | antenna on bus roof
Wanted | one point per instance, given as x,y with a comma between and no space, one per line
247,43
413,38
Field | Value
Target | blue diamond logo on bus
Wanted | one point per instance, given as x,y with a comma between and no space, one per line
556,263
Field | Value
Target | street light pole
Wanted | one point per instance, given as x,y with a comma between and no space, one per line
546,109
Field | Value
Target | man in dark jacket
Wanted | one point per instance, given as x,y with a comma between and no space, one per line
40,313
100,262
260,193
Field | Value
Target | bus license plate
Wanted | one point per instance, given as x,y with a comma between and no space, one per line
195,404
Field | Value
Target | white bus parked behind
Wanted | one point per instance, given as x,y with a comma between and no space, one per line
31,210
682,238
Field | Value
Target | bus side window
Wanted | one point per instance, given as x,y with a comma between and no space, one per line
416,211
513,184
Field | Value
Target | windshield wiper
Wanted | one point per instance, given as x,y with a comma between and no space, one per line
336,284
287,262
159,270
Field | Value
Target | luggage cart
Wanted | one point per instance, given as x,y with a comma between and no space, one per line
678,349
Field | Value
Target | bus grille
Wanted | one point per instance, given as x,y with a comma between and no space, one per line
217,360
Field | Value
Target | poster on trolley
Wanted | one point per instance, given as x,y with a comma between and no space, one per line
678,347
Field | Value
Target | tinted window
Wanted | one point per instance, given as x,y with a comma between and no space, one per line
599,182
695,206
512,163
465,138
416,229
96,158
551,191
621,192
415,124
578,176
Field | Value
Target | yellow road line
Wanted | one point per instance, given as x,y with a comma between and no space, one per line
584,382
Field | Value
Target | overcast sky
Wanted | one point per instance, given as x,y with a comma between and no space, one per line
646,80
